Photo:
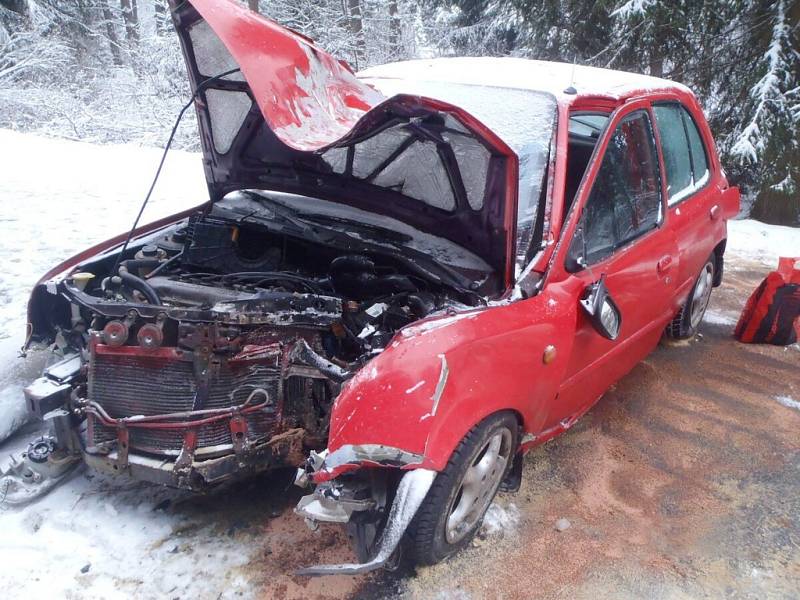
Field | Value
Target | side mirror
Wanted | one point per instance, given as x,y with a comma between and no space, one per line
602,311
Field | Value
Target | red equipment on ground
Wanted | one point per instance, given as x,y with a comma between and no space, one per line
772,313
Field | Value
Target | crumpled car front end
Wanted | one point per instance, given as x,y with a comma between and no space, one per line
215,346
375,505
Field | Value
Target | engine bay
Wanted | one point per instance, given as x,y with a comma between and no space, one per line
216,269
217,345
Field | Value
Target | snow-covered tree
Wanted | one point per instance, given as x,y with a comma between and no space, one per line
765,143
111,70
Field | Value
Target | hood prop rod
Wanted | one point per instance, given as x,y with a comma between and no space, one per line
183,110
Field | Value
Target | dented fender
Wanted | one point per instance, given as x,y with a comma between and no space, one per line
411,405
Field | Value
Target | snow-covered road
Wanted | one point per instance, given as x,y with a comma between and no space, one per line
57,197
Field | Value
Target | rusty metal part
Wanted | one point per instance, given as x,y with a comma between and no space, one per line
236,443
123,444
283,450
165,421
304,353
239,436
183,464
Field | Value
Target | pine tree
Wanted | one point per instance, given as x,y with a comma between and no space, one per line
766,143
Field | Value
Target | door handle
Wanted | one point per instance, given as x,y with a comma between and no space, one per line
664,264
714,212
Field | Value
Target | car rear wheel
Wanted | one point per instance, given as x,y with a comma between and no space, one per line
459,497
687,322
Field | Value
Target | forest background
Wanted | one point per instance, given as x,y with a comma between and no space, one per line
110,71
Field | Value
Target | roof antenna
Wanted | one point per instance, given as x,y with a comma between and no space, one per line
571,88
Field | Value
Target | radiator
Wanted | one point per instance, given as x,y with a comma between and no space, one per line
127,384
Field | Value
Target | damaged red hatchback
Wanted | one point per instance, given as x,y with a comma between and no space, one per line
415,275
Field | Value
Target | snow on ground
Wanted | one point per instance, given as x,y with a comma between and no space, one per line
57,197
753,240
124,543
718,318
788,402
501,520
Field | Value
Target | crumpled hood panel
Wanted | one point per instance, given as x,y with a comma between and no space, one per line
294,119
308,98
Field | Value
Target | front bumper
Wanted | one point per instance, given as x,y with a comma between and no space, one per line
285,449
335,502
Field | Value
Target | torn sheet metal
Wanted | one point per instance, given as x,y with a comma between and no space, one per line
437,394
373,453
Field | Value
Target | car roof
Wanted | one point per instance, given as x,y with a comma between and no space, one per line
520,73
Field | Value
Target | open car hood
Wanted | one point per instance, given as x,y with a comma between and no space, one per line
277,113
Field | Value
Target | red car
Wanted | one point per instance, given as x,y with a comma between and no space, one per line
415,275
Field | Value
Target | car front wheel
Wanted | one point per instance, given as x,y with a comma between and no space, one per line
457,501
687,322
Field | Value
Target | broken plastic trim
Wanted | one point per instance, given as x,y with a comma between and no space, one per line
372,453
411,491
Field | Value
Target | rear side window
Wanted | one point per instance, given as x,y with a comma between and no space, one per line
684,154
625,201
697,150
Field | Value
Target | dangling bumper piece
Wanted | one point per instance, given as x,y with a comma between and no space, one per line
334,505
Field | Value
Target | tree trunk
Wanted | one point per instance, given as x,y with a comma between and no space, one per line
111,33
656,66
252,5
394,29
131,21
357,30
160,16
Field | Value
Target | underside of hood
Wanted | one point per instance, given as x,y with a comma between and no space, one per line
277,113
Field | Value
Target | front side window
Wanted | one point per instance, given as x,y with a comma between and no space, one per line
684,154
625,201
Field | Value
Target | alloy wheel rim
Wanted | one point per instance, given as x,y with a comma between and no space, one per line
702,294
478,485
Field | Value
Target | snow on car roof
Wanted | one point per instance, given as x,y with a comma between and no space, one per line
520,73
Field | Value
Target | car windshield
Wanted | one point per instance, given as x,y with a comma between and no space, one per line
523,119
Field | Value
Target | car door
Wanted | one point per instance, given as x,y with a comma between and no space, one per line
622,240
692,199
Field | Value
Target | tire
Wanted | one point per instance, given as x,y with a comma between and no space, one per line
433,535
687,322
